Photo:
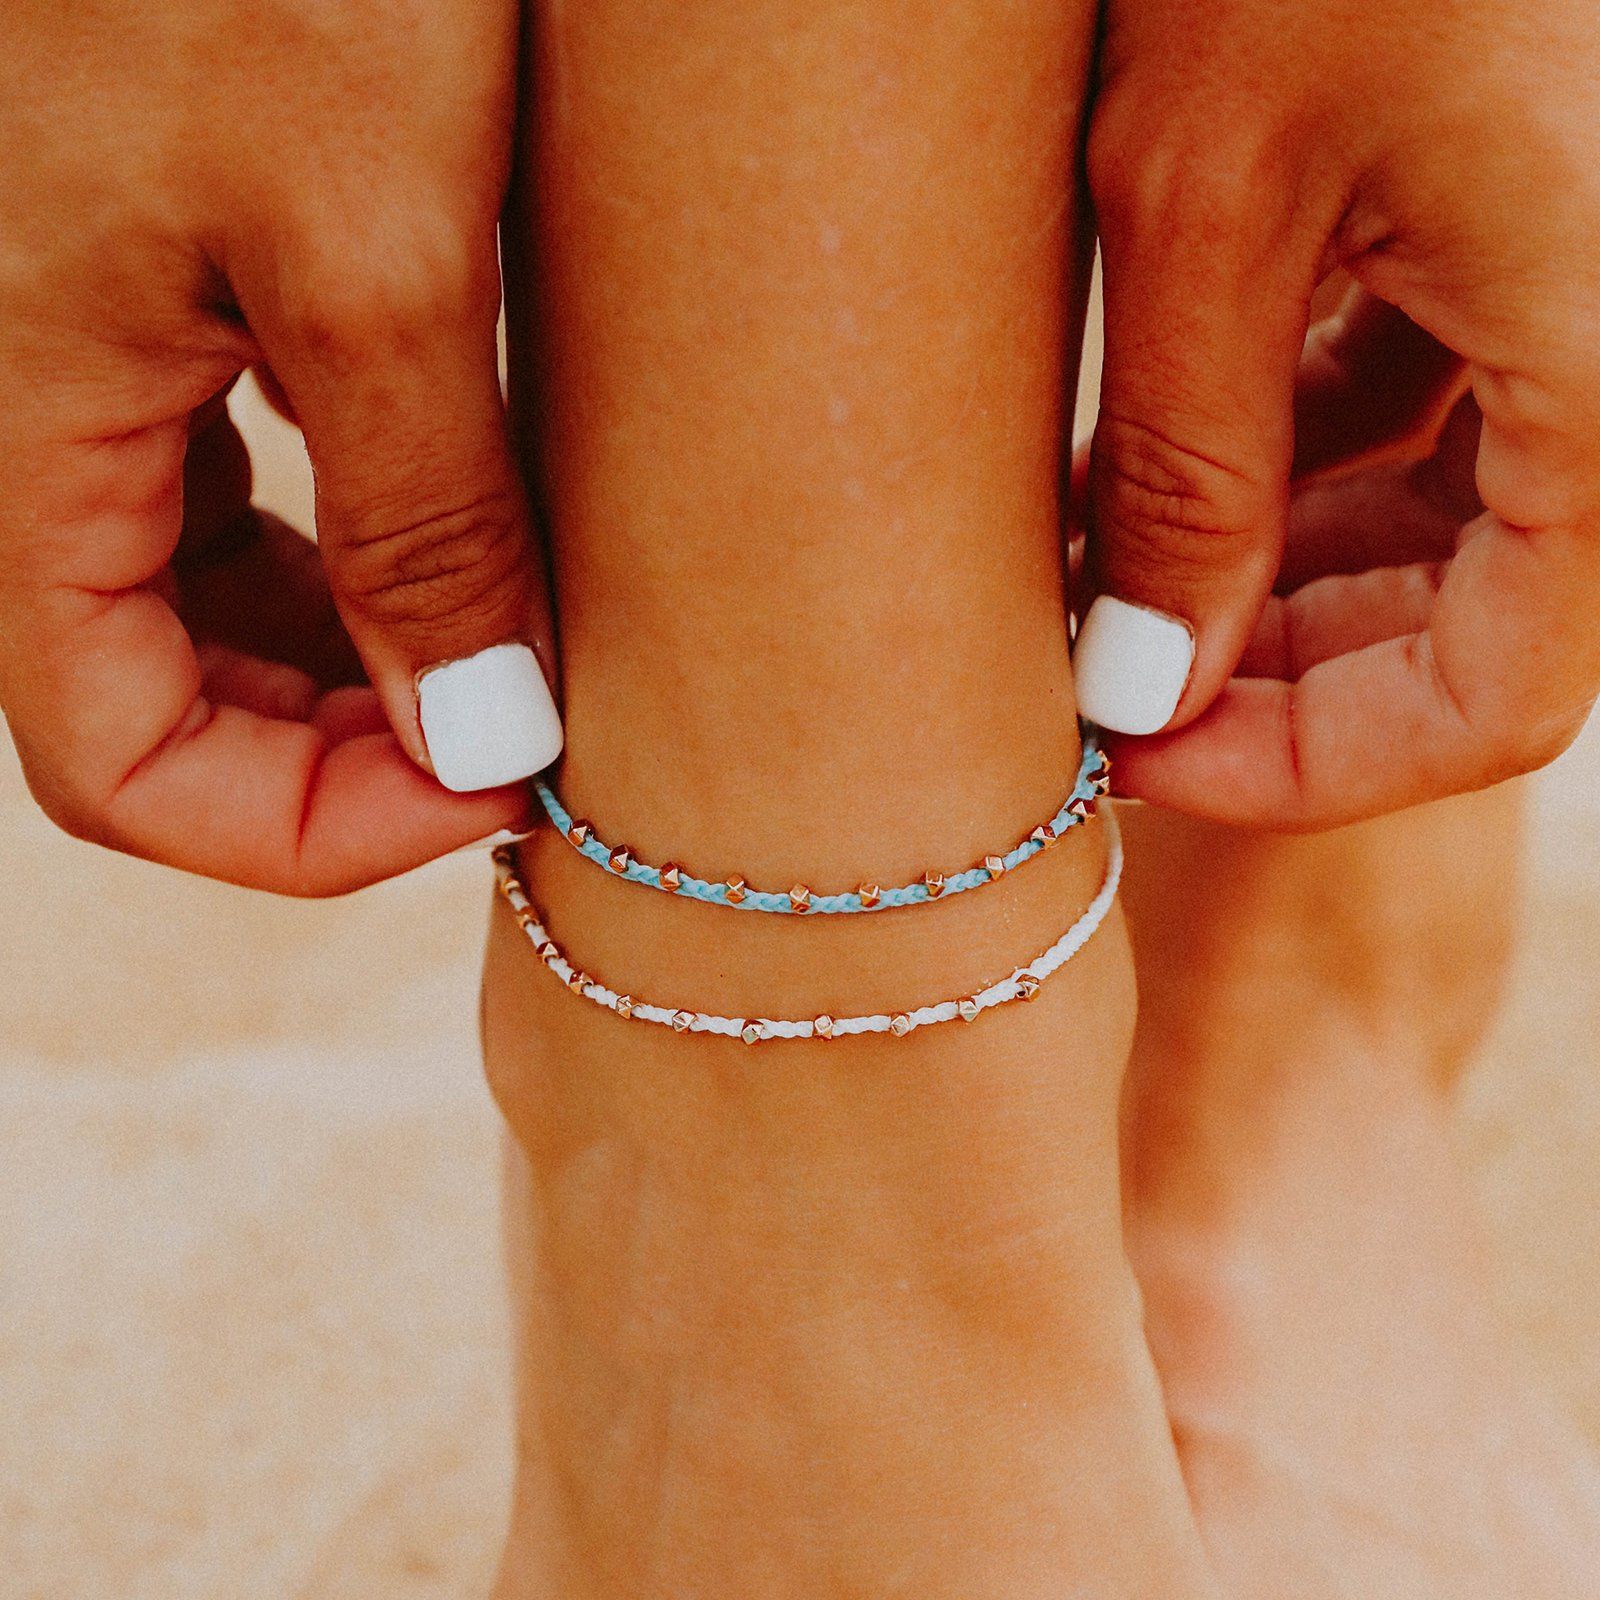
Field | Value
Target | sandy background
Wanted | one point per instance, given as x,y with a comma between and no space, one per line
252,1345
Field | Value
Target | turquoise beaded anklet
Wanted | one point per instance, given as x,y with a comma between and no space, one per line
1094,780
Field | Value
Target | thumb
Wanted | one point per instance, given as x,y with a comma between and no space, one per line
1205,319
422,519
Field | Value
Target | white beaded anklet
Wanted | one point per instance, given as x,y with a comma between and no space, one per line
1022,984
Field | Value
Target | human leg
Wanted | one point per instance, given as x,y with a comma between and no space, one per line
816,1318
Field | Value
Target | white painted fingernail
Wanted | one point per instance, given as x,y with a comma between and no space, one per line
488,719
1130,665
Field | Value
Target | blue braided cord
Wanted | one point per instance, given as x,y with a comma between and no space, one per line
911,894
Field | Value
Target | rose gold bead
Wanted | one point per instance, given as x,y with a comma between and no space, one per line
577,982
822,1027
681,1021
621,859
967,1009
900,1025
994,866
752,1033
870,894
1043,835
624,1005
580,833
1078,807
546,950
1100,777
933,882
799,898
737,889
524,915
1027,986
671,877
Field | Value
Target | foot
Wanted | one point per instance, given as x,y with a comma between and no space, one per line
1354,1423
816,1319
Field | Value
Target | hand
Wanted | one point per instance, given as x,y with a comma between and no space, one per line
193,187
1447,154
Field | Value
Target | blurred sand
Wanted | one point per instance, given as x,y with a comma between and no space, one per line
252,1343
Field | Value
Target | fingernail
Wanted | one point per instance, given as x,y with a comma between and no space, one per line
1130,665
488,719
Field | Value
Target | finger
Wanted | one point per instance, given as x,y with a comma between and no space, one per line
422,521
1370,381
268,688
1339,615
1206,307
120,741
272,393
1366,555
348,713
245,578
1370,384
1499,682
1391,514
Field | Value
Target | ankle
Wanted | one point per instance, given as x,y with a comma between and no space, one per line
767,1428
1257,946
772,1425
1229,1131
852,1321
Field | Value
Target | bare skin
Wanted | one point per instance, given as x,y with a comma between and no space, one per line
816,1319
1353,1419
1446,153
189,188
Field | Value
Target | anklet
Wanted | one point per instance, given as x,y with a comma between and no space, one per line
1022,984
1094,780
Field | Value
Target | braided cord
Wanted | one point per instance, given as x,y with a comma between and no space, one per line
1093,781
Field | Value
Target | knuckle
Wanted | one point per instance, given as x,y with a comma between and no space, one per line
1184,504
1122,144
70,807
79,821
1504,732
455,567
363,297
1153,173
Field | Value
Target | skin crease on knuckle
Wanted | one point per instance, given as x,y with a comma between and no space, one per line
1173,517
445,570
1160,479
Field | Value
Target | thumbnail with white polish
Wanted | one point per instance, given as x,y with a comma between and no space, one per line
1131,665
488,719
